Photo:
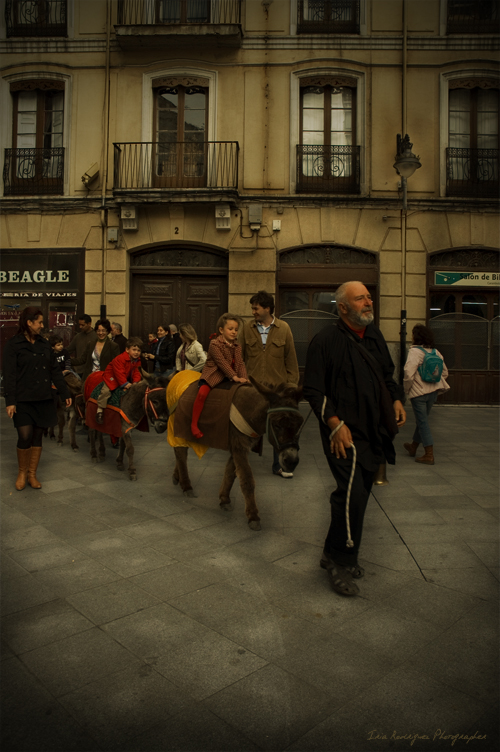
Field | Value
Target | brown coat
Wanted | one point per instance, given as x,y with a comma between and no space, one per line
277,362
220,357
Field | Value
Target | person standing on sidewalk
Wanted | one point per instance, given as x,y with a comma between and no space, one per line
349,384
29,368
269,352
82,340
422,393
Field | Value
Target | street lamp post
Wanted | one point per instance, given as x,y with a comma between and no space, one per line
405,165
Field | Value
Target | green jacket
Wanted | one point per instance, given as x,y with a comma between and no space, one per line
277,362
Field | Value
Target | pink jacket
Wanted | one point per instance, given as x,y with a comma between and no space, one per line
413,384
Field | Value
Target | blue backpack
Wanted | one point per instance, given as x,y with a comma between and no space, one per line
431,367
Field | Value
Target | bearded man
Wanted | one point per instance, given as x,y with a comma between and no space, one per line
350,386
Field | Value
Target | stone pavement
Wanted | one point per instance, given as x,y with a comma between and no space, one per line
134,620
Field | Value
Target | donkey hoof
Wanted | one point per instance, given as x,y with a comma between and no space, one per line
94,460
133,476
175,480
190,493
59,443
120,467
254,525
75,449
227,506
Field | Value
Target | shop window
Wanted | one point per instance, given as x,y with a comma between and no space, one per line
327,156
180,136
35,164
473,143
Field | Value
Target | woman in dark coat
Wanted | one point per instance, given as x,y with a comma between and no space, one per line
164,354
29,368
98,355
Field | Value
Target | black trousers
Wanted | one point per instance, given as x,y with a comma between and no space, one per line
335,543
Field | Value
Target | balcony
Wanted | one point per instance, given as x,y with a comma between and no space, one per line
328,169
328,16
472,173
147,23
473,17
33,172
158,171
28,18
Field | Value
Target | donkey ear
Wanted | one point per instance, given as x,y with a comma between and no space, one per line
272,395
145,375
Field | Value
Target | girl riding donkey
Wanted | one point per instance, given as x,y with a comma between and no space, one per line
224,363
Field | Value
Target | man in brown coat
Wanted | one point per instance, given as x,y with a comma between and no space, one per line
268,351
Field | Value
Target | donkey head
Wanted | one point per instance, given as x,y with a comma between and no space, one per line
155,400
284,421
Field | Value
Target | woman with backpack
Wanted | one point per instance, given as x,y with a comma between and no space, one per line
424,381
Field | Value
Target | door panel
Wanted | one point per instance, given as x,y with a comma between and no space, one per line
177,299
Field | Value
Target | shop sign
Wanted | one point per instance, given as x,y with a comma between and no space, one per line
38,294
29,273
467,279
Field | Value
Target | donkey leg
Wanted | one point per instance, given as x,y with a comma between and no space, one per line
93,452
247,484
72,431
102,449
129,448
181,473
227,484
119,459
61,420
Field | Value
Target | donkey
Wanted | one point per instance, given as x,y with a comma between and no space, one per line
147,398
75,386
267,411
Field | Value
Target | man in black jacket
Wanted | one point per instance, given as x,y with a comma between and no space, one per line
350,386
118,336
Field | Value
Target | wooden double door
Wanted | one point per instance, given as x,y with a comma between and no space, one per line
163,298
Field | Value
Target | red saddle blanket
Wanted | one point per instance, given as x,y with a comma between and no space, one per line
214,420
112,415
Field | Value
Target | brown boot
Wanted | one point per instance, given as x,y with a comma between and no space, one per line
23,460
428,458
34,460
411,448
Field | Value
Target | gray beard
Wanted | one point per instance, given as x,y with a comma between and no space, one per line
356,319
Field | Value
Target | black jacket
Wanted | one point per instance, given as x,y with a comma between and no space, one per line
338,381
108,352
121,341
29,370
166,355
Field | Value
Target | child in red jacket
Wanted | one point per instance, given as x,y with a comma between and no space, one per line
123,371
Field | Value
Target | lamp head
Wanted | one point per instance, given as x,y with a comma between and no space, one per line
406,162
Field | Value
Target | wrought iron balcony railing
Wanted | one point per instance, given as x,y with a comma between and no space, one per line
473,17
328,169
472,172
36,18
33,172
152,12
181,164
328,16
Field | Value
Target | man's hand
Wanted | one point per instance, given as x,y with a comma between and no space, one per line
400,413
342,439
68,402
11,409
239,380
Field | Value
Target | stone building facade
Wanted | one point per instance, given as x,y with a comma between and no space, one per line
175,156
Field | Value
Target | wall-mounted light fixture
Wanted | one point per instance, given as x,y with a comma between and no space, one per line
406,162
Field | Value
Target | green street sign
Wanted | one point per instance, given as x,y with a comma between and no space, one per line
466,279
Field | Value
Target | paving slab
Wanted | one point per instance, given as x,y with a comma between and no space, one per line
135,618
